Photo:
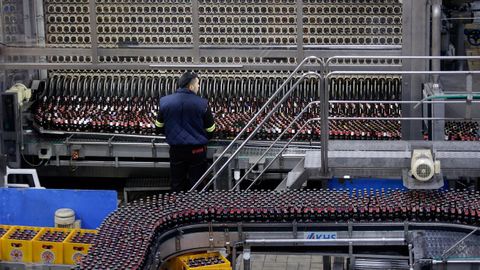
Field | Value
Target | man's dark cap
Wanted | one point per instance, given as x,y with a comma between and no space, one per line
186,79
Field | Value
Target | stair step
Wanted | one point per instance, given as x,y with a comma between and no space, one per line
297,176
313,160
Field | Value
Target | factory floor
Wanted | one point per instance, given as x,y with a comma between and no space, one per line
284,262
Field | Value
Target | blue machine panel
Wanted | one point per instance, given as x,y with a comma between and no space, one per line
36,207
368,183
361,183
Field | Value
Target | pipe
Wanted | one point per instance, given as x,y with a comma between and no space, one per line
436,36
456,261
346,241
400,118
446,97
329,61
40,34
194,66
395,102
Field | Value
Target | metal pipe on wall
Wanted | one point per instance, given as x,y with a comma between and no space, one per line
40,27
436,35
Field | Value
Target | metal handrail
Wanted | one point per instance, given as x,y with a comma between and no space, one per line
376,57
260,125
318,119
459,101
321,242
234,141
325,65
401,118
273,143
323,135
283,149
383,72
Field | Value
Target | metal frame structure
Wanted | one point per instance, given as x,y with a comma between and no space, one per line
156,143
254,237
323,157
115,152
415,24
119,154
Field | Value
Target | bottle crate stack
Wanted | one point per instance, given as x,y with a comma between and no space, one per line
44,245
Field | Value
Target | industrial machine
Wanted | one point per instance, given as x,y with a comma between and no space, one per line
414,230
94,65
302,92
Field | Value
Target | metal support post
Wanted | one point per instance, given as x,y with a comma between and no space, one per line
350,255
327,263
246,258
300,51
234,256
40,28
93,31
3,169
438,110
324,107
469,89
436,36
195,31
410,256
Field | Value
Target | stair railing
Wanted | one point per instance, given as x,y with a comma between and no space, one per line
274,143
254,118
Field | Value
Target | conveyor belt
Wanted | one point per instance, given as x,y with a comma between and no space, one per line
128,237
437,242
129,105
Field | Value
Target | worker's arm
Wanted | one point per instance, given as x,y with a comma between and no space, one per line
159,123
209,123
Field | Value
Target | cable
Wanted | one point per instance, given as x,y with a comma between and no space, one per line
463,96
42,162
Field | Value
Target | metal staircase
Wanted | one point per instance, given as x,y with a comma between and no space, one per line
265,107
316,162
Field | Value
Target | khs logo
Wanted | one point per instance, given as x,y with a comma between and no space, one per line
320,235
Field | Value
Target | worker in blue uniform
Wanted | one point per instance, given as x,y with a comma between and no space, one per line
187,122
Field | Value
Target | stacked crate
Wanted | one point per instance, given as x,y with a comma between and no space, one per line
200,261
77,245
3,231
17,244
44,245
48,245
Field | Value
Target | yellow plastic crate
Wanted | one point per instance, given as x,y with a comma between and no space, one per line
74,250
48,245
18,250
3,231
183,262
